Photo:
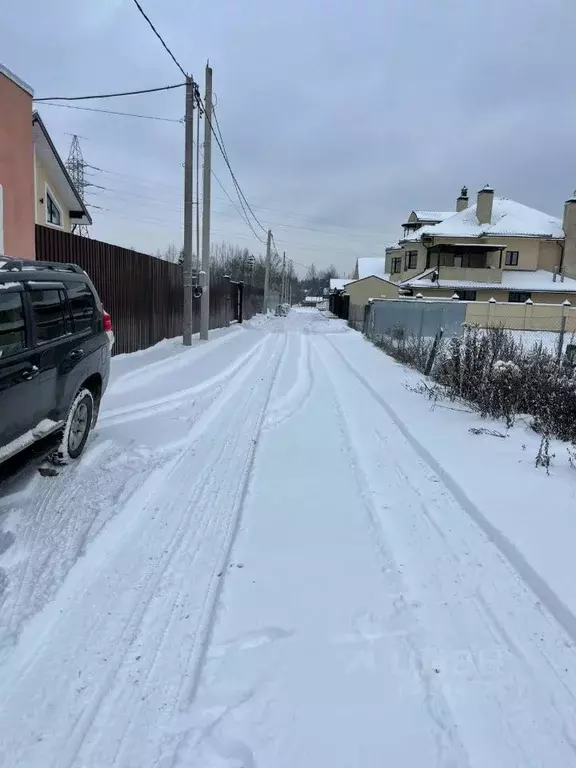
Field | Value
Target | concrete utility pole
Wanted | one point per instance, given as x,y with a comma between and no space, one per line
267,272
206,192
188,212
197,171
283,291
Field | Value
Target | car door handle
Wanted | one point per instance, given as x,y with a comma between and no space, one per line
30,373
77,354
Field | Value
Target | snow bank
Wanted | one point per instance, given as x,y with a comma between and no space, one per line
532,512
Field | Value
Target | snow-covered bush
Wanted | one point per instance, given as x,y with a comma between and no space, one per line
407,348
493,371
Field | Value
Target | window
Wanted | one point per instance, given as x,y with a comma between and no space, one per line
512,258
411,260
12,327
53,212
466,295
50,314
81,302
396,266
518,297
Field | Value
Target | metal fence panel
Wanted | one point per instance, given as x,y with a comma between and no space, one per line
143,294
417,318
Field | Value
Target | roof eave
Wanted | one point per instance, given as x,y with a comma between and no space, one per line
16,80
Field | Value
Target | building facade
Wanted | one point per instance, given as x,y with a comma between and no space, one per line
494,248
58,203
16,167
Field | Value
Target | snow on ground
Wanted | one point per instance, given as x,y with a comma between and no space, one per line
274,554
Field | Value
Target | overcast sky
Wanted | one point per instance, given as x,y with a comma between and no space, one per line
339,117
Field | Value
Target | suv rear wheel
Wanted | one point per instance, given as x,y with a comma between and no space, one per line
78,426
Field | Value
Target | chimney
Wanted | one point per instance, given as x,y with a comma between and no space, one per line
484,205
569,227
462,201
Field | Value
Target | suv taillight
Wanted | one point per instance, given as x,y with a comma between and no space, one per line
107,321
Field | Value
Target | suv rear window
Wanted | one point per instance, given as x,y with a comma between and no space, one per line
82,304
12,327
50,314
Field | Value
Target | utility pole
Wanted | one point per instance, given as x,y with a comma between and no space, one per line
267,272
206,193
188,212
197,171
283,291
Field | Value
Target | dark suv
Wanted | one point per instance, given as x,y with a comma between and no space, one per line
55,344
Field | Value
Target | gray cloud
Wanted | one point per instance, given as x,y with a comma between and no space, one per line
338,117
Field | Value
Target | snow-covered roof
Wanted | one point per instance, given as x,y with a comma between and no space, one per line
338,283
385,278
508,218
371,265
433,215
512,280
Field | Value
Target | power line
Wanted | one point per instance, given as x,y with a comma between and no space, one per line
241,213
290,214
222,146
245,205
167,203
112,112
153,28
111,95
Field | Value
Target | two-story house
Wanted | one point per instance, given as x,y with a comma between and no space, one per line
58,203
494,248
35,187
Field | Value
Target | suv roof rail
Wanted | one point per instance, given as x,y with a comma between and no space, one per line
20,265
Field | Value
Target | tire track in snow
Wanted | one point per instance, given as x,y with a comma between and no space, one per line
208,497
156,406
476,608
57,534
295,399
450,749
182,555
552,602
144,375
88,567
210,617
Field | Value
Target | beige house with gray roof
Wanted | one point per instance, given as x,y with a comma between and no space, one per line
494,248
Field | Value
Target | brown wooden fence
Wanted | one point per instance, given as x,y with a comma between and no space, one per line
143,294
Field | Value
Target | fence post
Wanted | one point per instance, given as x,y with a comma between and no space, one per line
421,329
491,302
528,307
433,351
240,301
565,309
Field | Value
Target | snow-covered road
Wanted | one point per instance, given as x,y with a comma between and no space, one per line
255,564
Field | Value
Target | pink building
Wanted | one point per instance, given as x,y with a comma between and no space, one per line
17,217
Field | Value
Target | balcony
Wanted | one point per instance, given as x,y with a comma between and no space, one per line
471,262
471,274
